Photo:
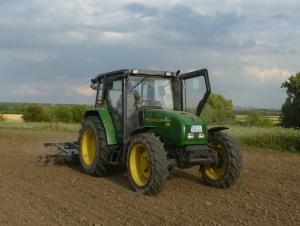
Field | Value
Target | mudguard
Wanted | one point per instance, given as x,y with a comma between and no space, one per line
217,129
107,122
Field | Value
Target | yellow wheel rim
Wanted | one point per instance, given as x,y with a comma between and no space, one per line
88,147
140,164
217,173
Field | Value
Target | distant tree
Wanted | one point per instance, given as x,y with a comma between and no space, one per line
77,112
18,108
2,118
62,114
35,113
291,108
256,118
218,109
3,107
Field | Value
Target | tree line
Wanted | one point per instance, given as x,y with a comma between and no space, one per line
57,113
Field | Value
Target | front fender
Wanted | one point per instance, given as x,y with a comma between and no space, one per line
216,129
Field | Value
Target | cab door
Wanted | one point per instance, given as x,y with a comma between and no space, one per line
195,90
114,95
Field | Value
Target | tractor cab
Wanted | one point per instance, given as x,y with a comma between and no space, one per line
130,94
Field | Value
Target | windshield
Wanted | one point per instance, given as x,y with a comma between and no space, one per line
151,91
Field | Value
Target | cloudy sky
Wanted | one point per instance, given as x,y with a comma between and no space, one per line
49,50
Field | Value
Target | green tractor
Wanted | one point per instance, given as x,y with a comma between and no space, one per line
142,120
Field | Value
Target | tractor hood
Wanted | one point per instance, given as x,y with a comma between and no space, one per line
176,127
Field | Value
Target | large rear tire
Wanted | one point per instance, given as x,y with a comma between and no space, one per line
93,153
227,172
147,164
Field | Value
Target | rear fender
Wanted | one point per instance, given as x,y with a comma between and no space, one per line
107,122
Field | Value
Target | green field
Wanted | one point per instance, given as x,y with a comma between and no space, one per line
275,119
272,138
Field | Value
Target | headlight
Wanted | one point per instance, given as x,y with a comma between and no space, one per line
201,135
190,136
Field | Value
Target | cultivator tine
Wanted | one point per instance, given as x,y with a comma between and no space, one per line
68,152
55,158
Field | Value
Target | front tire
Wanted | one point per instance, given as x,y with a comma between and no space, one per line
147,164
228,170
93,153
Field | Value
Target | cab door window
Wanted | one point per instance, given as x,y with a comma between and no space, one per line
193,91
114,97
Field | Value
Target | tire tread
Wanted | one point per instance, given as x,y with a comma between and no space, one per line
235,161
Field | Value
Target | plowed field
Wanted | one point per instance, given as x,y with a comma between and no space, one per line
32,193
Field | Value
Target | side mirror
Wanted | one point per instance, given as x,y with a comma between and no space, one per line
99,101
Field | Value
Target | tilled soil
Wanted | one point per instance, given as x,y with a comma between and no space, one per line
32,193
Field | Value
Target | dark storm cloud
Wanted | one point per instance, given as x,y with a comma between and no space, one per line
181,24
141,9
181,18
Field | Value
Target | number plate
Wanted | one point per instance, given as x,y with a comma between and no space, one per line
196,129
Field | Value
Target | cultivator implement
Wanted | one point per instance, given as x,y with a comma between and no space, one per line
67,152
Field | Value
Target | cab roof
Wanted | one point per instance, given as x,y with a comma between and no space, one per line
134,72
